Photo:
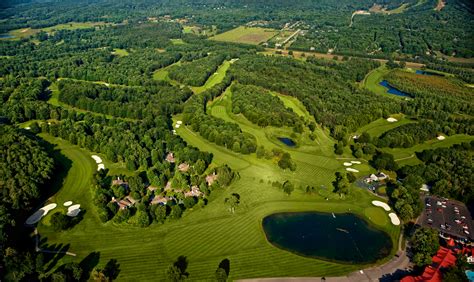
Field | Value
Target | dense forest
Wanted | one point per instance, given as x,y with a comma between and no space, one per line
25,170
411,28
446,170
441,105
261,107
153,100
331,97
196,73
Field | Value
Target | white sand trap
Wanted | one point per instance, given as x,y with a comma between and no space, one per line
73,213
179,122
352,169
381,204
390,119
73,207
441,137
347,164
34,218
97,159
100,166
27,128
394,218
355,162
177,126
67,204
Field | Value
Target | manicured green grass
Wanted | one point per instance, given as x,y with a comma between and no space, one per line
408,153
208,235
246,35
120,52
373,78
378,127
214,79
177,41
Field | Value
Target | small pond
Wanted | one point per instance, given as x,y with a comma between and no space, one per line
423,72
393,90
287,141
344,238
6,36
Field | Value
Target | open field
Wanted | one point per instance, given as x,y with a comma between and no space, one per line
27,32
246,35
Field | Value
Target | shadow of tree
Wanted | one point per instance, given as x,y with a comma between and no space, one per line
112,269
225,264
88,264
182,264
58,251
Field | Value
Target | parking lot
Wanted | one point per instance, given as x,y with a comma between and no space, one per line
450,217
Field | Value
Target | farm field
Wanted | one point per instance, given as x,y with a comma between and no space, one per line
246,35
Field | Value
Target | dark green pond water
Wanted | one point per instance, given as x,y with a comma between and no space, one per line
344,238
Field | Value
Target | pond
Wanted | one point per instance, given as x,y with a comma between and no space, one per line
423,72
393,90
287,141
344,238
6,36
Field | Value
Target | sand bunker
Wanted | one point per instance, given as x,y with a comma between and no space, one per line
100,166
34,218
352,170
441,137
179,122
394,218
381,204
97,159
67,204
390,119
73,213
177,125
347,164
355,162
73,207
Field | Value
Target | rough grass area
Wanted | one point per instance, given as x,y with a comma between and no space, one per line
246,35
